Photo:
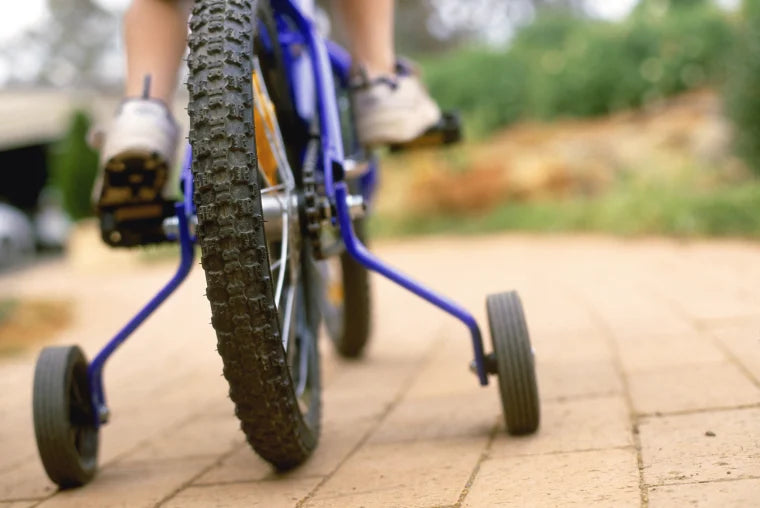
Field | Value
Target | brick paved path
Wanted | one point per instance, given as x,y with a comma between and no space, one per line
649,373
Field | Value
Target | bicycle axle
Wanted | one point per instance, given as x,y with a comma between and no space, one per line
274,208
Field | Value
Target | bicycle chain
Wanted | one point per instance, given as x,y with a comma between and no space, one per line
313,212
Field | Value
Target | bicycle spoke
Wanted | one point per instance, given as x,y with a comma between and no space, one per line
283,256
287,318
273,188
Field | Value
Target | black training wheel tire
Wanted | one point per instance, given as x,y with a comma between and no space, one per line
514,361
64,424
357,306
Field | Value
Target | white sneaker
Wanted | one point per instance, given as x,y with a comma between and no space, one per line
392,109
136,188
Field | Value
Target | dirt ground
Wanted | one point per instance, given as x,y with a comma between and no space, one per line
685,137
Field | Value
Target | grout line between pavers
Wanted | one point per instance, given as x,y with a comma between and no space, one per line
175,426
617,362
121,457
567,452
476,469
18,463
725,321
700,482
169,460
268,479
704,328
730,354
194,477
686,412
40,501
580,397
411,378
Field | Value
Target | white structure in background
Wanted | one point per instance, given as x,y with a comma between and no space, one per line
16,236
32,120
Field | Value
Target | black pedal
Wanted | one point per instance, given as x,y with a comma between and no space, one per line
447,131
135,225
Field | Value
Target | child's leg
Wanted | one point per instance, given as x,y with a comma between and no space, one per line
369,28
155,33
391,103
138,185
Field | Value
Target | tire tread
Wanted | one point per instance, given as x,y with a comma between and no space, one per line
516,366
231,235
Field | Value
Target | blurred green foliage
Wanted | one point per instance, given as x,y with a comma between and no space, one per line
7,306
73,165
742,92
562,65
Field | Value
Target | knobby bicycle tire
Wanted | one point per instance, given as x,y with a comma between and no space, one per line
234,252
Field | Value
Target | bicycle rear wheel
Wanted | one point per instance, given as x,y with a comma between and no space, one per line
257,286
346,301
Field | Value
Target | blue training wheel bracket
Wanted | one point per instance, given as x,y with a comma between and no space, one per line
367,259
95,369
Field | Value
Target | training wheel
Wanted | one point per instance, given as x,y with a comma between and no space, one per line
514,362
64,424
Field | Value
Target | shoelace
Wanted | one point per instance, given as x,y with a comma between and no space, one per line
360,78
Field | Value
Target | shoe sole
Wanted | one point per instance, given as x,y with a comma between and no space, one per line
131,207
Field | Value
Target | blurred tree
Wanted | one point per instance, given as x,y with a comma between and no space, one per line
490,20
73,165
660,7
69,48
410,39
742,92
437,26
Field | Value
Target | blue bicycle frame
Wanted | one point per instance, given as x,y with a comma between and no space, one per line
313,87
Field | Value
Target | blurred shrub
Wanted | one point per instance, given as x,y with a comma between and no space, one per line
73,165
562,65
489,87
742,93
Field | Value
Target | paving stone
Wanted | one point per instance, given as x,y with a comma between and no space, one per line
587,346
26,481
132,485
446,371
707,297
691,387
595,478
440,418
627,309
364,390
654,351
571,425
426,421
714,445
357,398
336,442
268,494
211,435
409,474
737,494
742,339
562,380
554,312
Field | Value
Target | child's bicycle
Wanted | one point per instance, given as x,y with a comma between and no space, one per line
275,193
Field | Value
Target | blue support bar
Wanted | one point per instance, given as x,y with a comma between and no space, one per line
95,370
186,179
366,258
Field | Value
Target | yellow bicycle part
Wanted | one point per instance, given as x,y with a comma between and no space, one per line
264,119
